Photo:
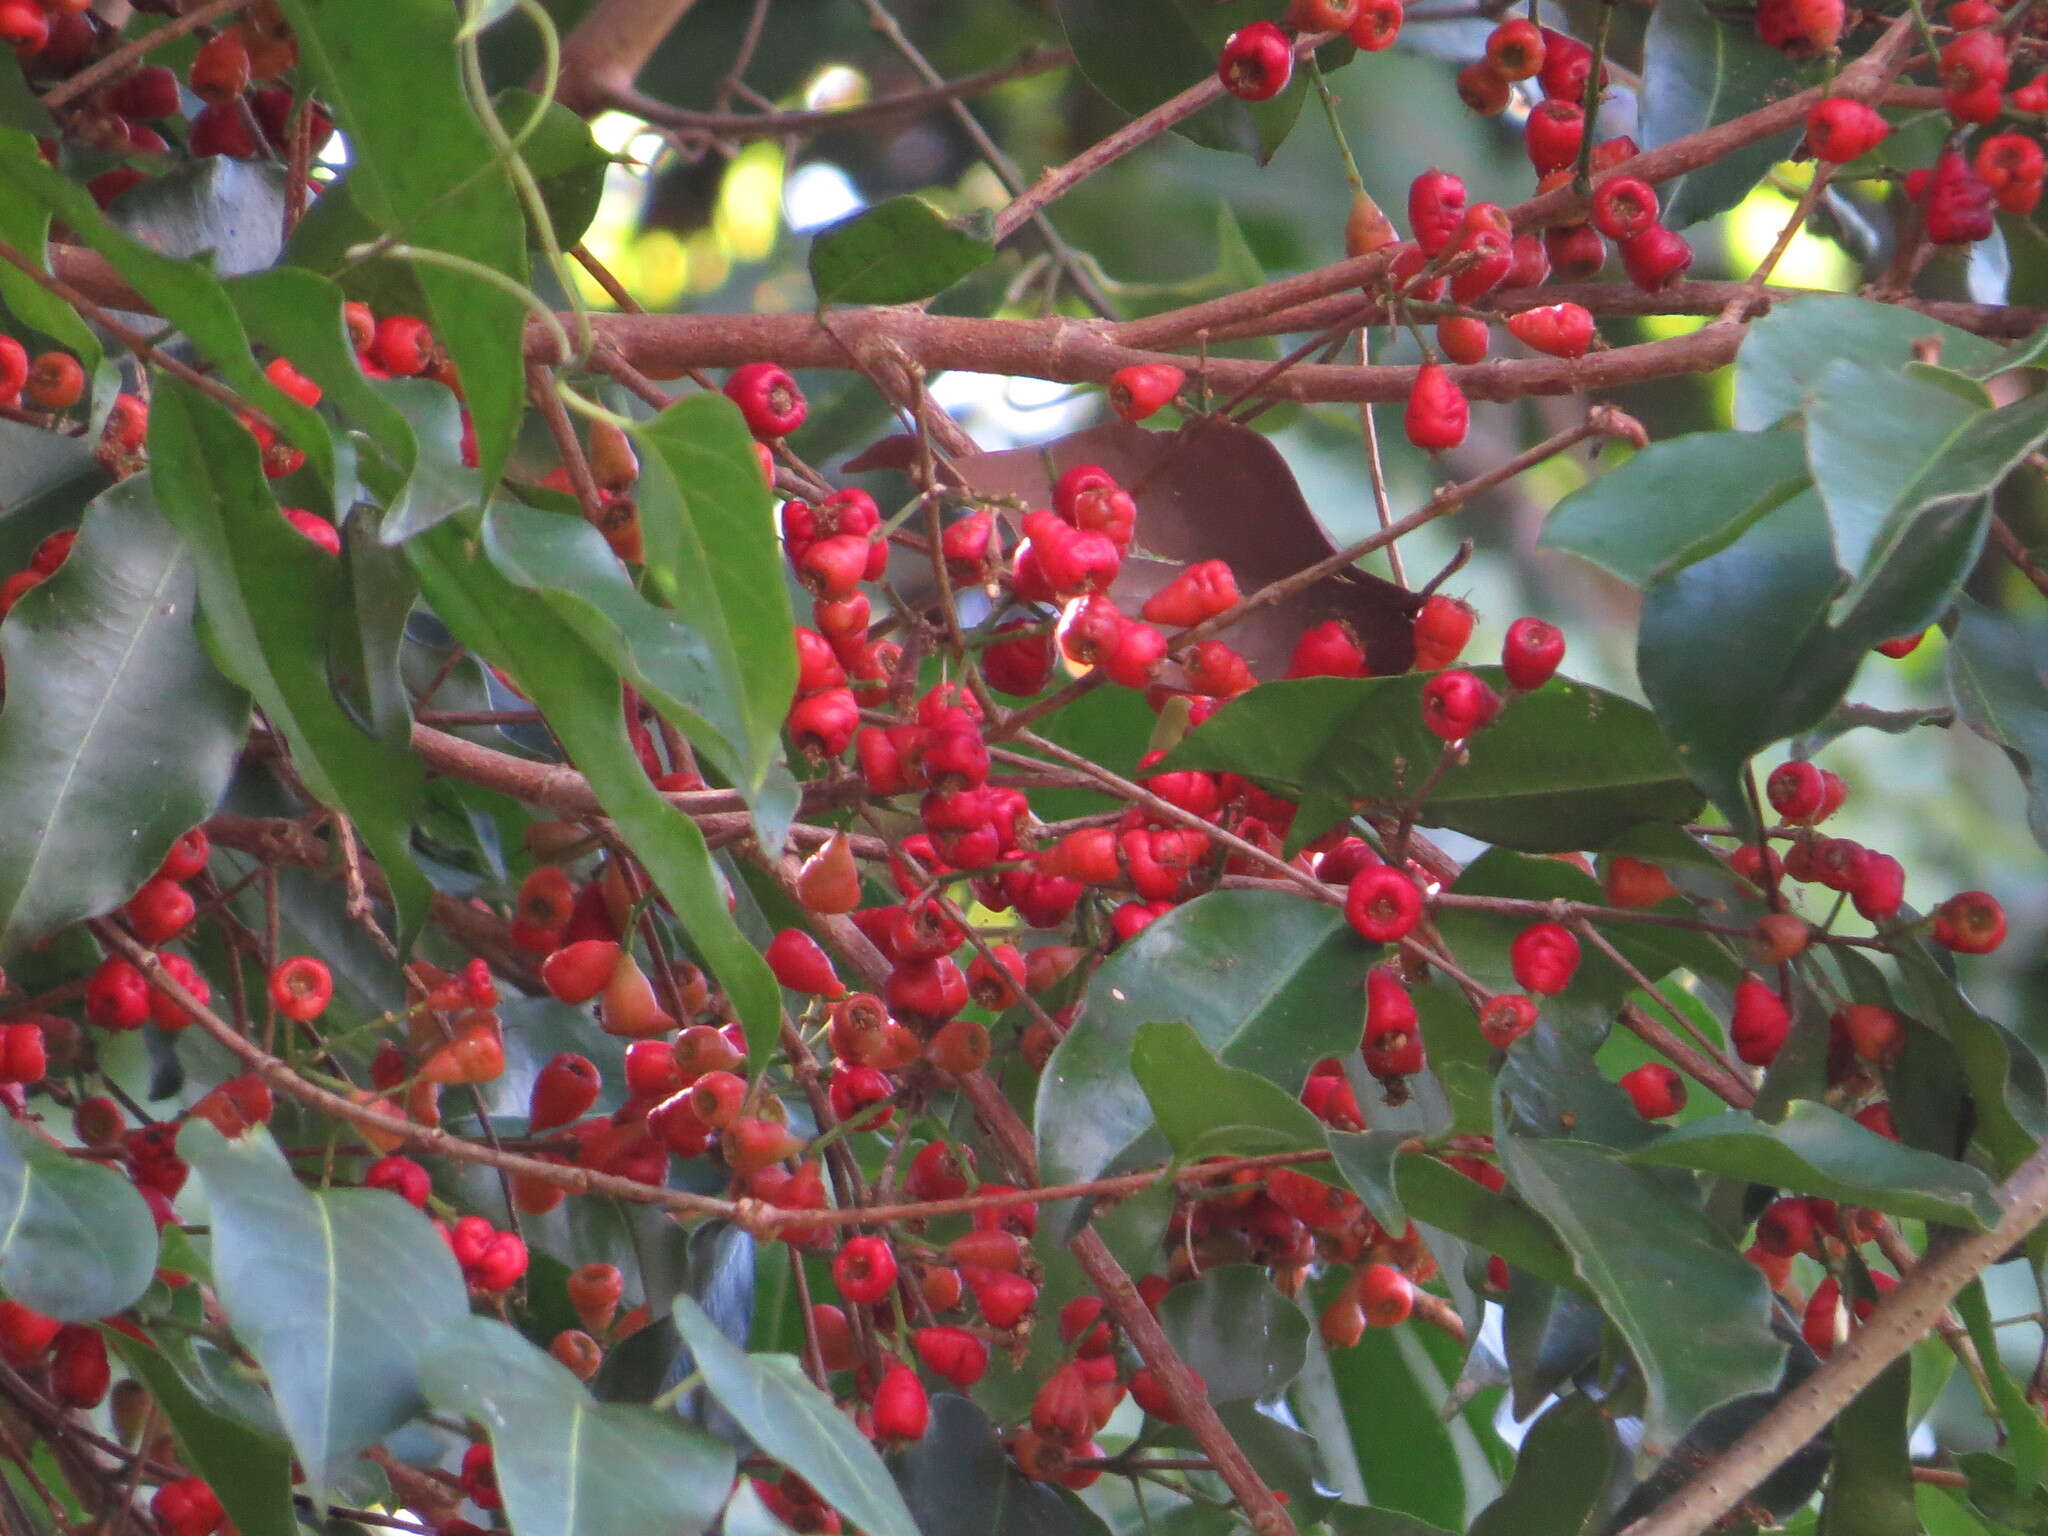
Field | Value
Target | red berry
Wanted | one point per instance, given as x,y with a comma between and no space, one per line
1874,1033
403,346
562,1091
301,987
1140,390
2012,166
1958,204
1544,957
1655,1090
1331,649
220,129
160,910
79,1373
1972,923
864,1269
800,965
1557,330
1656,258
13,367
768,398
1257,62
1456,704
902,1411
1462,338
1377,26
1436,209
1634,883
958,1354
1437,415
1567,64
1759,1024
1386,1295
1553,133
1392,1040
55,382
116,995
1483,89
24,26
186,1507
1531,653
1841,129
1506,1017
1200,592
403,1177
25,1334
1440,628
1516,48
1382,904
1974,67
1623,207
189,853
220,70
24,1053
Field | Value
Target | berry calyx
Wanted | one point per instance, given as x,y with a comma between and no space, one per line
301,988
768,398
1382,904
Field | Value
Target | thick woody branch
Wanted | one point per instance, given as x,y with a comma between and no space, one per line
605,51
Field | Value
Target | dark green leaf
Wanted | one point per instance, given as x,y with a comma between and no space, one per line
567,562
1242,1337
1550,1333
567,1464
958,1481
1816,1150
249,1470
2005,1076
1139,53
25,225
567,163
336,1293
896,251
1998,680
797,1425
1870,1486
268,602
1493,1222
1677,501
1350,1520
185,293
714,557
1268,982
1566,767
1785,352
76,1241
118,734
1205,1109
1649,1256
423,170
1943,1513
1560,1472
2026,1444
1367,1164
439,483
1698,71
579,692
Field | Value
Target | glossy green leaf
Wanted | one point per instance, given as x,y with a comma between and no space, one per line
249,1470
568,564
1550,1333
1242,1337
1205,1109
899,250
2026,1442
714,557
438,484
118,734
76,1241
959,1481
1566,767
1998,681
1366,1162
1943,1513
567,1464
1816,1150
1384,1416
578,691
422,169
1269,983
335,1292
1705,489
1139,53
1350,1520
1870,1485
1560,1473
1785,352
796,1424
1698,71
186,293
25,225
1649,1256
268,602
567,163
2005,1076
1496,1223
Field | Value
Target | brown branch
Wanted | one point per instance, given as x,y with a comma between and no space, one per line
606,50
1899,1321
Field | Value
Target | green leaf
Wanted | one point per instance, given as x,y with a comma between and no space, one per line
898,250
1367,1164
423,170
439,484
1816,1150
1268,982
1785,352
1870,1485
713,556
1560,1473
118,734
269,602
567,562
1699,71
249,1470
567,163
1139,53
1566,767
185,293
336,1293
25,225
1649,1256
2026,1444
1705,489
1550,1334
1998,681
1720,701
579,693
76,1241
1242,1337
1205,1109
959,1481
1488,1220
2006,1078
1350,1520
797,1425
567,1464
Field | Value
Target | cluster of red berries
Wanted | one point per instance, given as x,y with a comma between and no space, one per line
52,381
1257,60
